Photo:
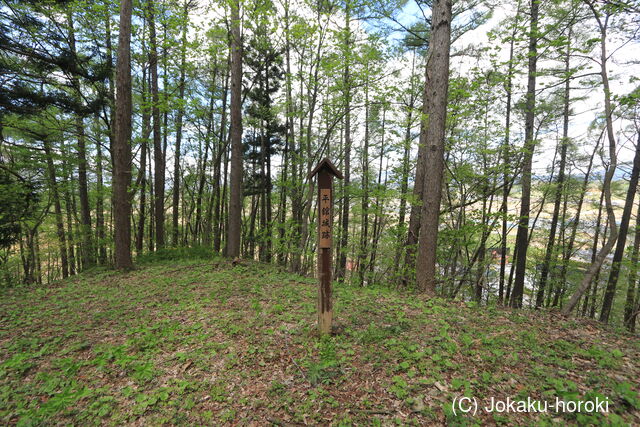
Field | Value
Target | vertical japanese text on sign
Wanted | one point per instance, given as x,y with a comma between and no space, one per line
325,218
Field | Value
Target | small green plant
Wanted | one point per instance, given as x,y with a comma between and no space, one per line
19,363
228,415
399,387
627,394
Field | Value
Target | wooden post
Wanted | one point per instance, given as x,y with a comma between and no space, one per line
325,171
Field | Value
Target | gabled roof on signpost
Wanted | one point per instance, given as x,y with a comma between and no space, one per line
326,163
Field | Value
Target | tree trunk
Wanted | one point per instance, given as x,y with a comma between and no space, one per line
613,230
221,187
289,142
506,159
110,120
341,270
437,83
404,184
203,167
180,114
144,144
88,250
100,230
614,273
544,273
122,144
235,201
529,146
364,223
418,194
151,230
377,222
62,240
568,251
66,190
629,307
158,154
594,254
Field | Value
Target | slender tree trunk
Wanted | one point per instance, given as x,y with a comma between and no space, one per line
151,230
482,249
568,251
66,190
144,143
629,307
418,194
544,273
38,258
235,201
100,230
404,183
221,187
594,252
364,226
203,168
614,273
437,83
122,143
506,159
377,222
263,192
158,153
594,268
593,286
179,116
269,203
110,120
522,236
88,250
341,270
283,252
312,96
224,207
62,240
613,230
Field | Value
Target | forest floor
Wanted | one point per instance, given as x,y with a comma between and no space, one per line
206,342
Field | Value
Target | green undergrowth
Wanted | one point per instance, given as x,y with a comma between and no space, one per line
206,342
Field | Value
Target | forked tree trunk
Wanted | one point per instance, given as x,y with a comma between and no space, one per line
613,228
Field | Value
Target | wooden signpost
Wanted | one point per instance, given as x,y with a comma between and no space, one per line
325,172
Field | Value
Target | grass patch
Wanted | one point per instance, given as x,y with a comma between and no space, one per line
201,341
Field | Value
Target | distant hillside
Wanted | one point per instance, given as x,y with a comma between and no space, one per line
205,342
